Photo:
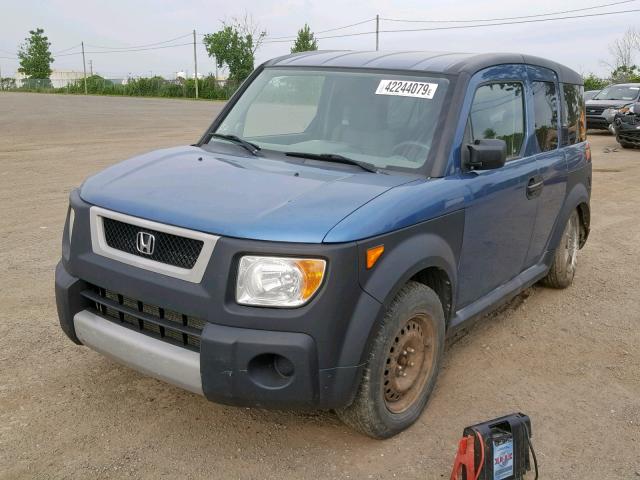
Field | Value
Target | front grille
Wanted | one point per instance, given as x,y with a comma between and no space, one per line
171,249
158,322
596,110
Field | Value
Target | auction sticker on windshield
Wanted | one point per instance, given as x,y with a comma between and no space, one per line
406,88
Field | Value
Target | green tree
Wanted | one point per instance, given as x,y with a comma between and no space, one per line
305,41
35,56
235,45
592,82
625,73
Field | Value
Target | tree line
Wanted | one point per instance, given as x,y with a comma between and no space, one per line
234,46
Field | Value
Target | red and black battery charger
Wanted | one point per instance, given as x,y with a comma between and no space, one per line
495,450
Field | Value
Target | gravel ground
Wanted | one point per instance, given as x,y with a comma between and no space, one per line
569,359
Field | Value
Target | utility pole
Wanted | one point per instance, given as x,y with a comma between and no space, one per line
84,66
91,68
195,61
377,31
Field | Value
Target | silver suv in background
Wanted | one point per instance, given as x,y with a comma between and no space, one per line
602,108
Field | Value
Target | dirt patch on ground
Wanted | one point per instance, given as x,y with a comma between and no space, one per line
570,359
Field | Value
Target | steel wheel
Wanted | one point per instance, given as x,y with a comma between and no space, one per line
563,268
571,243
409,364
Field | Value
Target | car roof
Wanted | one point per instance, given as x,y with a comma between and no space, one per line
434,62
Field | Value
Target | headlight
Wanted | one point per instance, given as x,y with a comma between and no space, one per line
278,281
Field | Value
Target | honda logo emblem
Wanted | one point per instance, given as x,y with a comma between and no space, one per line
145,243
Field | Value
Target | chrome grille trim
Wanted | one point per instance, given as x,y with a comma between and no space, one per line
100,246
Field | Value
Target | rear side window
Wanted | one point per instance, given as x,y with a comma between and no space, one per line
574,127
498,112
545,105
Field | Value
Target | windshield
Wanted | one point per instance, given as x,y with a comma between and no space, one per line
381,119
618,92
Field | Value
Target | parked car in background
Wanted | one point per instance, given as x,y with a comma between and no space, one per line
589,94
626,126
344,213
610,98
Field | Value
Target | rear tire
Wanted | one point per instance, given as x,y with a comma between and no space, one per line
402,366
564,264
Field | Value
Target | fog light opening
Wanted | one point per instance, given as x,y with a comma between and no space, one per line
270,370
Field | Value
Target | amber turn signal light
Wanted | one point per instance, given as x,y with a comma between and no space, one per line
373,254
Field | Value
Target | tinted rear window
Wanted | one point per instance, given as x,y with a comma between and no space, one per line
545,104
574,128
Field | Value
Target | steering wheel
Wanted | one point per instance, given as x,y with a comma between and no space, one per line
407,145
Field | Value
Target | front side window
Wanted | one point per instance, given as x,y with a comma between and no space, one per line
545,105
498,112
386,120
574,127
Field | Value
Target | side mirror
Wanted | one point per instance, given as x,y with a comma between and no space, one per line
486,154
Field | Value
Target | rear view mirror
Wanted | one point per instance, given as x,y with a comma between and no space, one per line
486,154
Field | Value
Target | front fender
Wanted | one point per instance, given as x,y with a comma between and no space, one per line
434,243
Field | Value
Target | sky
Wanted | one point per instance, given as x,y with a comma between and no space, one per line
580,43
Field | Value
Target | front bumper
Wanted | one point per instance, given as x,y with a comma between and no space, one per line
308,357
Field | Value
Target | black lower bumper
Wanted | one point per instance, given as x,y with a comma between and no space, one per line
597,123
269,369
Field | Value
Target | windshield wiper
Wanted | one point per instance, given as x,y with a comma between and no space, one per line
251,147
335,158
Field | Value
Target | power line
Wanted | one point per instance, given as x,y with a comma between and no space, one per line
141,46
326,31
66,49
324,38
456,27
127,51
508,18
270,39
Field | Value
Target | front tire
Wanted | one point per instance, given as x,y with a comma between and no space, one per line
564,264
402,367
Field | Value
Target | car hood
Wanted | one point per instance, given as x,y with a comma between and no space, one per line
237,196
606,103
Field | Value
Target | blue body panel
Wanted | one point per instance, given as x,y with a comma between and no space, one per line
499,218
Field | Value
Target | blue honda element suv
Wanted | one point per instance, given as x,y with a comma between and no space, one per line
344,213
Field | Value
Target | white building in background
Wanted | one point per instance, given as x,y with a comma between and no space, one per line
183,75
59,78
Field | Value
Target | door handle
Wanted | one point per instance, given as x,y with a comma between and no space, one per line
535,186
